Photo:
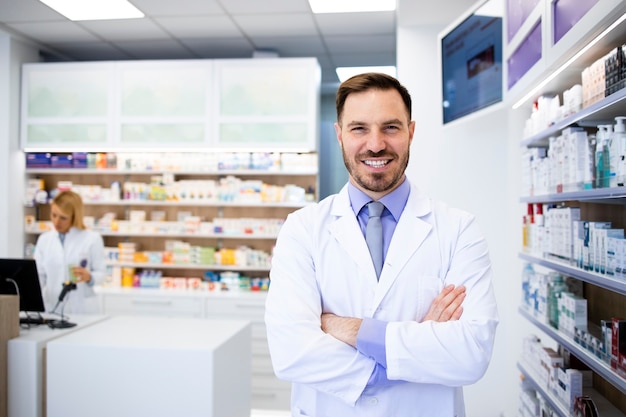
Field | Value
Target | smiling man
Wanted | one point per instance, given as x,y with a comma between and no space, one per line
400,339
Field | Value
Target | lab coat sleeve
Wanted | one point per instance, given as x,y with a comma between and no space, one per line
452,353
301,352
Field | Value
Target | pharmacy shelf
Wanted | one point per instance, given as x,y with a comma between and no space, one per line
601,112
242,236
605,408
194,203
604,281
203,267
530,376
615,195
595,364
219,172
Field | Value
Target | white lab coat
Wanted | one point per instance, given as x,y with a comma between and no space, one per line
53,260
321,264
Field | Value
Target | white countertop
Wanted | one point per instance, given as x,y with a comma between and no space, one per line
156,332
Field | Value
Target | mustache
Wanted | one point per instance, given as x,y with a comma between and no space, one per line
370,154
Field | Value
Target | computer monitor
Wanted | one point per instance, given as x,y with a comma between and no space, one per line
19,277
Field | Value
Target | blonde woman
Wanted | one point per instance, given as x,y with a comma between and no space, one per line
69,253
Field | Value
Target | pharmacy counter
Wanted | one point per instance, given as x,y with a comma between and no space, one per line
26,365
151,366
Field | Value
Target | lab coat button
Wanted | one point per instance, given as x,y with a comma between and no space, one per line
373,401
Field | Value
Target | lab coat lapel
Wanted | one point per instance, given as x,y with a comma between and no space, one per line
346,231
411,231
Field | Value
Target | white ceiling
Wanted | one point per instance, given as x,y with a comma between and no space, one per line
197,29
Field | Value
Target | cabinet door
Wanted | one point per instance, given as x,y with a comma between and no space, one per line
152,305
66,105
164,103
267,103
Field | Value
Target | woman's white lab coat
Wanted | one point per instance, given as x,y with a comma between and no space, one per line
53,260
321,264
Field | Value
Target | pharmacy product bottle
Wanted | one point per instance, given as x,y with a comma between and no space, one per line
599,158
603,170
555,288
614,152
590,181
619,136
528,276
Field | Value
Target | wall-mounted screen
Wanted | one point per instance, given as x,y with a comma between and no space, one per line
471,63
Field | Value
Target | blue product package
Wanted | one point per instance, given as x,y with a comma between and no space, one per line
79,159
38,160
61,161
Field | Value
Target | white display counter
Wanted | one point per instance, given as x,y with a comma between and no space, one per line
149,366
26,365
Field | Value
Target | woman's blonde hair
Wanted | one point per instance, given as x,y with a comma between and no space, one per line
71,205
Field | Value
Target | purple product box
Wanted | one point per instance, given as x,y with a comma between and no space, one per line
61,161
38,160
80,159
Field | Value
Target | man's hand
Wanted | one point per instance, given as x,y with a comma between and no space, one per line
342,328
447,305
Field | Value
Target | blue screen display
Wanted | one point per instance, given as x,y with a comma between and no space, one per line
471,66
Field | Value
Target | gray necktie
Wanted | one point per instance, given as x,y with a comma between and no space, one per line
374,234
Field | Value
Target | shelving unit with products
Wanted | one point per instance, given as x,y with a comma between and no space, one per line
222,218
573,285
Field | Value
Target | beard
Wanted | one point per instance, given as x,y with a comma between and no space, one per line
376,182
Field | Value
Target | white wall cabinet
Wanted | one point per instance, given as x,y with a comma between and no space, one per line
604,294
533,53
244,104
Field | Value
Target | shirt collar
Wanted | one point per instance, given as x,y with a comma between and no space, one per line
394,201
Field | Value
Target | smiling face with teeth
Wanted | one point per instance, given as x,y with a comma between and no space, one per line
375,133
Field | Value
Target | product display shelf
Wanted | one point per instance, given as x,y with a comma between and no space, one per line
613,284
594,363
212,267
179,235
603,111
605,408
615,195
193,203
598,204
218,172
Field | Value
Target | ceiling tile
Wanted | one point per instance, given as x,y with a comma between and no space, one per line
178,8
365,59
277,25
292,46
351,23
360,43
155,49
27,11
266,7
199,26
47,32
90,51
220,48
125,29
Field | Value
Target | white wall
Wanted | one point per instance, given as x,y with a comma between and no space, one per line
12,54
472,164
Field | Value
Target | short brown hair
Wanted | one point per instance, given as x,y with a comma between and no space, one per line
369,81
71,205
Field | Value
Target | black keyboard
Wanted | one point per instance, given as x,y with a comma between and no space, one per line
34,321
